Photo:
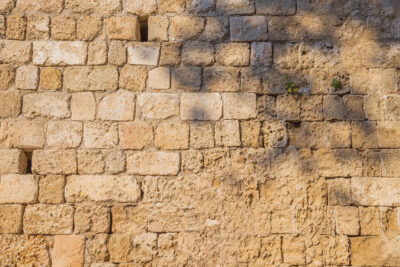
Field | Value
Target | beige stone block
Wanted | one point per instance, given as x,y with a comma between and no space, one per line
48,219
38,27
97,250
92,218
64,134
16,26
133,78
170,53
389,134
88,27
375,191
48,105
227,133
370,221
354,107
153,163
139,248
372,165
23,134
83,188
141,8
198,53
233,54
97,53
275,134
347,220
307,135
221,79
266,107
339,192
172,135
158,28
54,162
10,104
192,161
24,188
215,29
282,221
389,159
63,28
293,250
131,219
116,53
27,78
90,162
288,28
251,133
184,28
339,162
288,107
276,7
333,107
6,6
261,54
187,78
311,108
53,53
390,221
338,135
201,135
102,7
12,161
171,6
100,78
123,28
47,6
144,54
68,250
15,51
392,107
235,7
11,219
100,135
7,76
119,106
248,28
115,162
50,79
158,105
159,78
375,250
364,134
136,135
51,189
239,106
83,106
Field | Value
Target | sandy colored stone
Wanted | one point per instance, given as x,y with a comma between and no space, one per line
201,135
159,78
248,28
51,189
10,104
119,106
347,220
92,218
186,78
261,54
12,161
184,28
153,163
376,250
275,134
221,79
141,8
171,6
27,78
333,107
158,105
172,135
81,188
116,53
64,134
115,162
47,6
132,219
68,250
388,134
235,7
16,27
23,187
63,28
375,191
144,54
7,76
83,106
370,221
201,106
170,53
59,53
54,161
339,135
135,135
50,79
38,27
192,161
339,163
48,105
97,53
90,162
100,78
227,133
293,250
339,192
123,28
233,54
158,28
169,218
88,27
215,29
251,133
11,219
102,7
15,51
97,250
23,134
288,107
133,78
6,6
48,219
311,108
239,106
139,248
100,135
198,53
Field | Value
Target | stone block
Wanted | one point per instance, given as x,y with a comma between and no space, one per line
115,162
183,28
364,134
333,107
92,218
7,76
158,28
27,78
276,7
46,6
101,7
201,106
170,53
275,134
288,108
90,162
293,250
12,161
354,107
24,188
158,105
144,54
6,6
123,28
159,78
389,159
239,106
286,28
138,248
54,161
252,28
141,8
388,134
306,135
23,134
116,53
153,163
51,189
15,51
370,221
375,250
233,54
100,78
97,53
261,54
251,133
83,106
227,133
119,106
63,28
133,78
136,135
339,162
10,104
221,79
100,135
53,53
11,219
172,135
88,27
50,79
68,250
338,135
311,108
347,220
187,78
16,27
236,7
132,219
201,135
48,105
375,191
215,29
171,6
339,192
64,134
198,53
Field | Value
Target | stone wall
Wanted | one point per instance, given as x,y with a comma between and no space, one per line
199,133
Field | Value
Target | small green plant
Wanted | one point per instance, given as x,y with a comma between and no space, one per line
291,87
336,83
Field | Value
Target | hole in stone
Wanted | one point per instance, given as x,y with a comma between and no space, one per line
29,162
143,29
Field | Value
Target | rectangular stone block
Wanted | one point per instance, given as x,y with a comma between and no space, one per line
92,218
392,107
48,219
11,219
276,7
51,189
101,78
23,134
64,134
90,162
261,54
375,191
54,161
227,133
339,162
375,251
100,135
48,105
286,28
159,78
144,54
10,104
27,78
123,28
135,135
201,135
102,7
132,219
172,135
158,106
339,192
239,106
364,134
83,106
236,7
16,188
347,221
389,134
187,78
12,161
46,6
233,54
83,188
15,51
183,28
221,79
53,53
153,163
390,159
68,250
252,28
119,106
201,106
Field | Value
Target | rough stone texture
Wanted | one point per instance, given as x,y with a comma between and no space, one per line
10,104
27,78
233,54
239,106
123,28
49,105
172,135
11,218
15,51
12,161
91,78
119,106
158,106
23,134
133,78
23,187
54,161
64,134
50,79
68,250
92,218
59,53
144,54
7,76
207,106
100,135
153,163
51,189
136,135
382,251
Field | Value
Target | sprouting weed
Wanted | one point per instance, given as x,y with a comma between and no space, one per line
291,87
337,84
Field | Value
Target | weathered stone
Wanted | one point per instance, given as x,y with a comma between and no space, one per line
144,54
11,219
311,108
168,218
23,134
115,162
88,27
364,135
251,133
68,250
136,135
50,79
261,54
288,108
172,135
201,135
201,106
153,163
83,106
375,250
158,28
51,189
81,188
370,222
233,54
371,191
27,78
159,78
347,220
184,28
221,79
192,161
118,106
90,162
6,6
100,135
99,78
227,133
171,6
137,248
97,53
275,134
23,187
116,53
123,28
266,107
63,28
338,135
388,134
186,78
97,250
102,7
286,28
16,26
59,53
293,249
10,104
339,163
92,218
339,192
215,29
48,219
158,106
15,51
170,53
236,7
64,134
47,6
276,7
131,219
54,162
239,106
333,107
198,53
12,161
133,78
7,76
248,29
48,105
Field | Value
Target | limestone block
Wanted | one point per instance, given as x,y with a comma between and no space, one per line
370,221
307,135
215,29
389,159
172,135
375,191
288,108
133,78
141,8
100,135
48,105
11,219
275,134
183,28
364,134
101,78
233,54
119,106
261,54
102,7
123,28
311,108
90,162
201,135
186,78
83,106
92,218
97,53
16,26
10,104
51,189
159,78
347,220
286,28
276,7
201,106
339,192
338,135
7,76
144,54
138,248
171,6
170,53
251,28
50,79
392,107
12,161
198,53
6,6
54,162
88,27
239,106
158,105
221,79
46,6
135,135
158,28
153,163
227,133
132,219
68,250
115,162
64,134
192,161
339,162
388,134
48,219
24,188
59,53
236,7
333,107
63,28
251,133
15,51
23,134
293,249
375,250
116,53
